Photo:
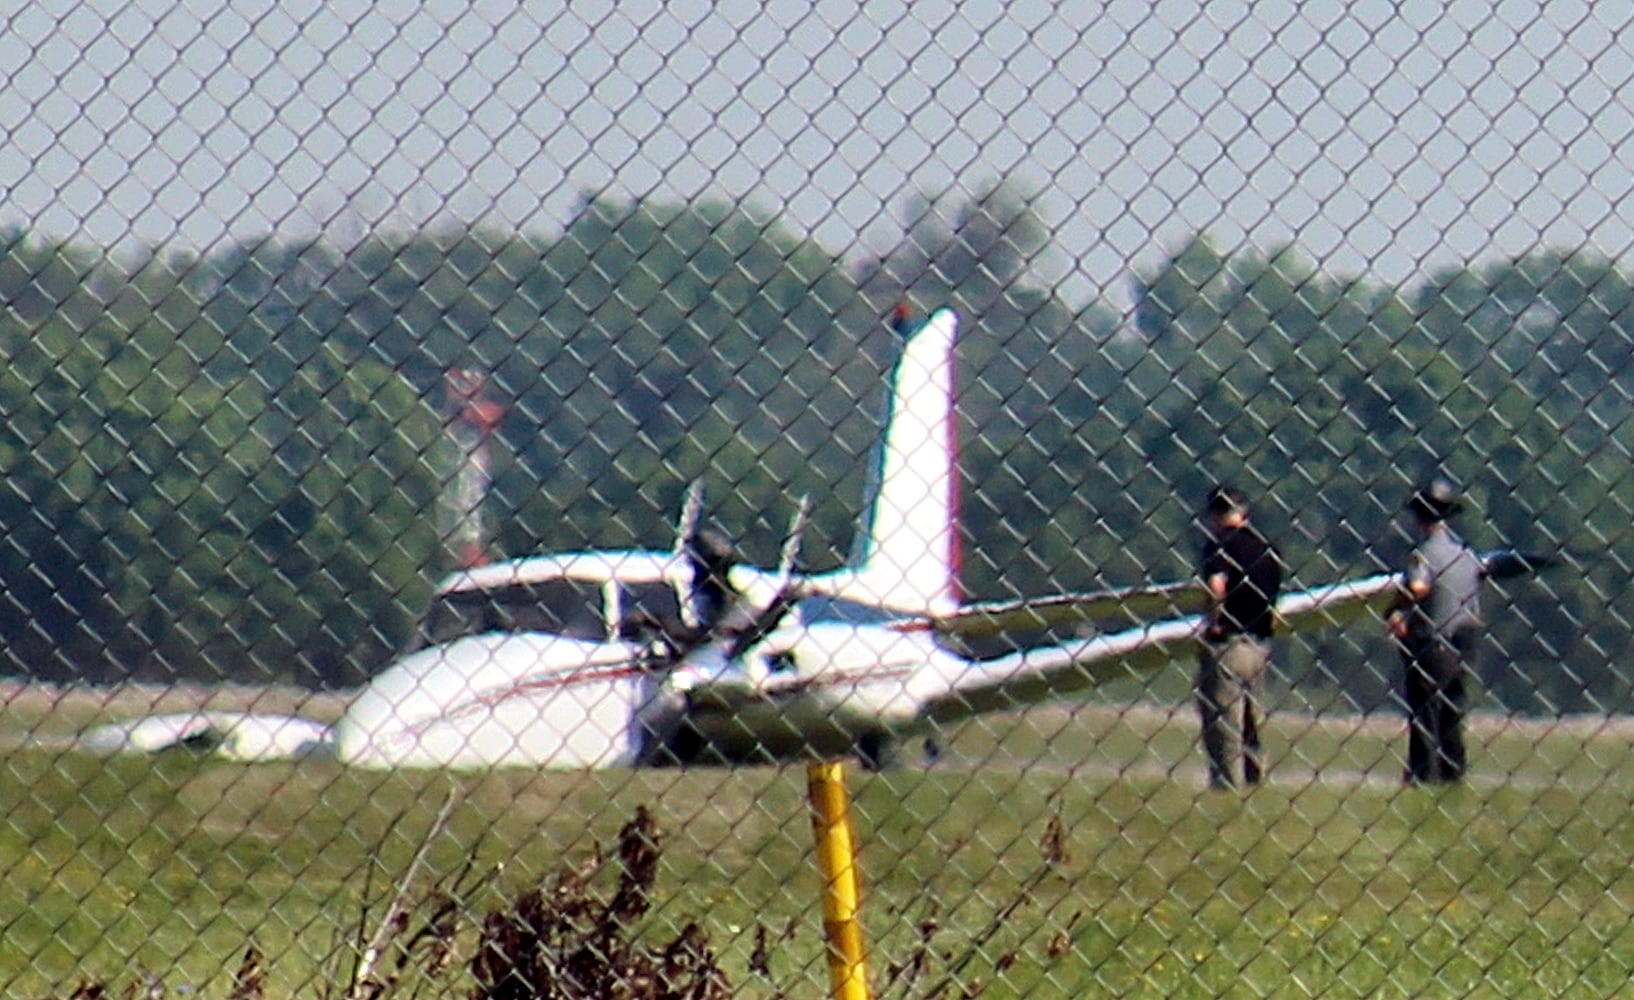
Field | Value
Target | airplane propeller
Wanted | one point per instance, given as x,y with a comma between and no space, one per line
692,507
735,636
789,590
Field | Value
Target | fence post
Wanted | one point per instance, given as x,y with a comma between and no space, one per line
837,859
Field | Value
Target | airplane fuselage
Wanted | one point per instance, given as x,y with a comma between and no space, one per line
823,689
595,689
499,698
619,658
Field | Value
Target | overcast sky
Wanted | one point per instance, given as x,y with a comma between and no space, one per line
1380,137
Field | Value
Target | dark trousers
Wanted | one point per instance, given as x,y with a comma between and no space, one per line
1435,668
1230,689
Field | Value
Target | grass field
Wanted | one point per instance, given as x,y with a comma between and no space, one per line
1062,853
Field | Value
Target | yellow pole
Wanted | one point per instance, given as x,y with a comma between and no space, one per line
837,857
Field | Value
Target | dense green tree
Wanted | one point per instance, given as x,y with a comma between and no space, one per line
228,465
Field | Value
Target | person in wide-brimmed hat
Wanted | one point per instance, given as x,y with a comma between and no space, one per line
1437,624
1435,502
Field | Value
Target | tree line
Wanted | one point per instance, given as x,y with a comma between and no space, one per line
227,465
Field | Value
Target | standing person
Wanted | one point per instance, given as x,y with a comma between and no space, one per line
1242,576
1436,623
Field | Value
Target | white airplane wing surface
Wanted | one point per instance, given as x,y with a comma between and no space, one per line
242,736
1153,602
1047,672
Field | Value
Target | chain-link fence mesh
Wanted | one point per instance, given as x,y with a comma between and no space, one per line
328,329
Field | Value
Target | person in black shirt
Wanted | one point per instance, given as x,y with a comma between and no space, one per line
1242,576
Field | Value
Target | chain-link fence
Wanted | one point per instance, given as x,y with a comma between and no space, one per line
461,459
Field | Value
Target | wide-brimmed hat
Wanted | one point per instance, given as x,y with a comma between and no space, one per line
1436,501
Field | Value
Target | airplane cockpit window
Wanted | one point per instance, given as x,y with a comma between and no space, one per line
450,617
571,608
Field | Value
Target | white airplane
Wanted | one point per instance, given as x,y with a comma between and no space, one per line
603,658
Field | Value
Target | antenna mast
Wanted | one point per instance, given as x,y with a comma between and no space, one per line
473,418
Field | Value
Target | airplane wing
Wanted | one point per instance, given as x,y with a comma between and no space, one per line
1047,672
241,736
1148,603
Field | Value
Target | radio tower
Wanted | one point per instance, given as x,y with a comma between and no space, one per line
472,419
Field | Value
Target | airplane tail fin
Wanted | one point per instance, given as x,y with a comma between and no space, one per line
908,556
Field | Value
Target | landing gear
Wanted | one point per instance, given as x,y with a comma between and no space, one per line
878,752
681,746
667,736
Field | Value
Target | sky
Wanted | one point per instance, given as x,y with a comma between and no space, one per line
1381,138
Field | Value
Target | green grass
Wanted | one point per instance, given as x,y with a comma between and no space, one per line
1331,881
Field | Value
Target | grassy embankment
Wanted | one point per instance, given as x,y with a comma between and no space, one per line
1070,849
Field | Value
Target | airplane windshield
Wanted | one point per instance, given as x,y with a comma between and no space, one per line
572,608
